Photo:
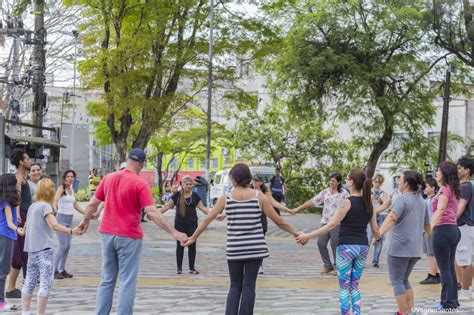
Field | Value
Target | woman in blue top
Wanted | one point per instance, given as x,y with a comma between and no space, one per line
9,199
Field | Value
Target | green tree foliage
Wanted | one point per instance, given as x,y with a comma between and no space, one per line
362,62
305,150
150,59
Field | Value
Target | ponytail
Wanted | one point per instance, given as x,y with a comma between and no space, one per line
367,195
363,183
181,205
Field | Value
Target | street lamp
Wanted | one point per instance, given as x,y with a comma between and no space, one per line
444,123
71,159
209,93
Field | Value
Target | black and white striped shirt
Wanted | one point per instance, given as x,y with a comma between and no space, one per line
245,239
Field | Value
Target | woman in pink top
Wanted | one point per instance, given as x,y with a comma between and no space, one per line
446,234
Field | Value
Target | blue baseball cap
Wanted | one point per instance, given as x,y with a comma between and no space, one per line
137,154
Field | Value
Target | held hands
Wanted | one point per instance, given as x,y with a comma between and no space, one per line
20,231
375,241
302,238
181,237
83,226
77,231
189,242
290,211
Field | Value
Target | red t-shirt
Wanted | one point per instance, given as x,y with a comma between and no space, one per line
125,195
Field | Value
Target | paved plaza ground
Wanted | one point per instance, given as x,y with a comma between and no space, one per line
291,283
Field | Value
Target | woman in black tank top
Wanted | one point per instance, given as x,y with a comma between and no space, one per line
352,248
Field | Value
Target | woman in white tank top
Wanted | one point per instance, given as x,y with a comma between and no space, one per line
65,204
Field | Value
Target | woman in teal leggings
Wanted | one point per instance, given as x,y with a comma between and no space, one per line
353,245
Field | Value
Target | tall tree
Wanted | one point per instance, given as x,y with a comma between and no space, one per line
306,150
150,58
362,62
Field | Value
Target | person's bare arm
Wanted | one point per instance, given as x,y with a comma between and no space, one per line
387,224
159,219
374,226
307,204
9,217
438,214
78,208
332,224
385,205
59,193
272,215
277,204
218,207
461,207
53,224
203,208
91,208
167,206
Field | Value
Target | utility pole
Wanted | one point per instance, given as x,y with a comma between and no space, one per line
444,123
13,28
73,124
209,92
39,67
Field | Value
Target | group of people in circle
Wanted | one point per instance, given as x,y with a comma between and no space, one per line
420,215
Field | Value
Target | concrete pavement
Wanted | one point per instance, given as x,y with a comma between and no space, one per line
291,283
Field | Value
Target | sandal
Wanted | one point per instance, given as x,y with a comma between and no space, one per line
178,272
194,272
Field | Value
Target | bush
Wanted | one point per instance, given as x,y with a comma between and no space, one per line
83,194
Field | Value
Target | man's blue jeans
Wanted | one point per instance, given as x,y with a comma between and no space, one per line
378,247
120,257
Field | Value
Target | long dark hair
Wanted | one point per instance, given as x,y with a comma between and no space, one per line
414,180
364,183
433,183
337,176
64,179
450,176
181,199
241,175
8,190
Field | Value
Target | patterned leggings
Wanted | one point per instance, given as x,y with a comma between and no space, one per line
350,261
40,263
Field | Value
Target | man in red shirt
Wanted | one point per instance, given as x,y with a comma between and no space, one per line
125,195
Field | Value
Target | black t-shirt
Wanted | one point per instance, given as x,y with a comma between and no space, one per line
466,194
353,228
190,203
25,197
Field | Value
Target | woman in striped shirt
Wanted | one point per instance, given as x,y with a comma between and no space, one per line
246,245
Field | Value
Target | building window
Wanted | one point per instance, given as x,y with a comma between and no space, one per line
202,164
190,164
214,163
174,163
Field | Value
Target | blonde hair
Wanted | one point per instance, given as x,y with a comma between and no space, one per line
45,190
379,177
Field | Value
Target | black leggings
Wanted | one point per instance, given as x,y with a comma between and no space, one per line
188,228
243,277
445,240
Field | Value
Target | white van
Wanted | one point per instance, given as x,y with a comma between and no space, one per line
222,184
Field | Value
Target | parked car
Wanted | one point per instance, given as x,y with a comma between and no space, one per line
221,184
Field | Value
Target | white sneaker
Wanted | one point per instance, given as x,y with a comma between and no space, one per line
465,295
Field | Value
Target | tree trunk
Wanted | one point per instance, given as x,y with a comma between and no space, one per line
159,166
380,146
